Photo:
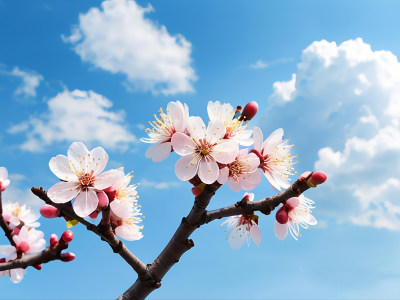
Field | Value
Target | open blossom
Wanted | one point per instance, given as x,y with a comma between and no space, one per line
81,177
235,130
243,227
29,241
14,214
242,173
164,128
4,181
275,159
295,213
128,228
203,150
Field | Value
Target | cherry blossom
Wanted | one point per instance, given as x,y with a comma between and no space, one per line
203,150
128,227
81,178
164,128
235,130
242,173
243,227
4,181
295,213
14,214
275,158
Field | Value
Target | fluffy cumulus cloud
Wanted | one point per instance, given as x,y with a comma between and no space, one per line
76,116
344,104
30,82
120,39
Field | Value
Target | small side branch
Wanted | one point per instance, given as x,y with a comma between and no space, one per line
103,230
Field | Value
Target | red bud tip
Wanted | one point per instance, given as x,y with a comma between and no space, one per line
53,240
196,191
23,247
282,216
318,177
2,260
103,199
67,236
250,110
66,257
49,211
94,214
37,267
16,230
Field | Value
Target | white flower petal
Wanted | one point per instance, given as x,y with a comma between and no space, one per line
3,174
106,179
127,233
63,192
85,203
97,160
208,171
16,275
76,152
255,233
183,144
196,128
59,165
238,236
223,175
186,167
215,131
258,139
272,141
225,152
281,230
6,250
158,152
120,209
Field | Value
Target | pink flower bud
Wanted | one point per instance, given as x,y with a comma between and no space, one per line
2,187
53,240
67,236
94,214
37,267
2,260
23,247
66,257
103,199
196,191
49,211
16,230
249,111
282,216
318,177
110,193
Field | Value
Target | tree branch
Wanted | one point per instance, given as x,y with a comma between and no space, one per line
102,230
8,232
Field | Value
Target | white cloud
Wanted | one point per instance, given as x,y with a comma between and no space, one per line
30,81
259,64
159,185
14,193
119,38
76,116
345,101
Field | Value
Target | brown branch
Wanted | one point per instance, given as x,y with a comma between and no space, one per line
48,254
8,232
104,231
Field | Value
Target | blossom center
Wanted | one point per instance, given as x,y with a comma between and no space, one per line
204,151
235,169
87,179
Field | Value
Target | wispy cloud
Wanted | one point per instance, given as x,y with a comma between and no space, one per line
76,116
159,185
259,64
120,39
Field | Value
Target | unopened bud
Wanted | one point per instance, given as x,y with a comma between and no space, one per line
249,111
37,267
23,247
2,260
196,191
53,240
16,230
49,211
67,236
318,177
110,193
282,216
94,214
66,257
103,199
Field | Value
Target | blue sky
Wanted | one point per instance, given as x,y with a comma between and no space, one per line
325,71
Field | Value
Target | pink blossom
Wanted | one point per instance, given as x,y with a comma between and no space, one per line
203,150
4,181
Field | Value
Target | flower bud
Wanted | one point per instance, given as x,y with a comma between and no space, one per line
110,193
66,257
318,177
49,211
37,267
249,111
23,247
53,240
67,236
103,199
282,216
94,214
16,230
196,191
2,260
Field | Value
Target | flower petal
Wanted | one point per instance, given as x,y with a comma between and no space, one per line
59,165
255,233
238,236
225,152
16,275
186,167
6,250
281,230
258,138
272,141
215,131
158,152
182,144
196,128
208,171
63,192
127,233
97,160
106,179
223,175
85,203
3,173
76,152
120,209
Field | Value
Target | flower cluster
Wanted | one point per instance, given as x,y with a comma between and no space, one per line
91,189
211,152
